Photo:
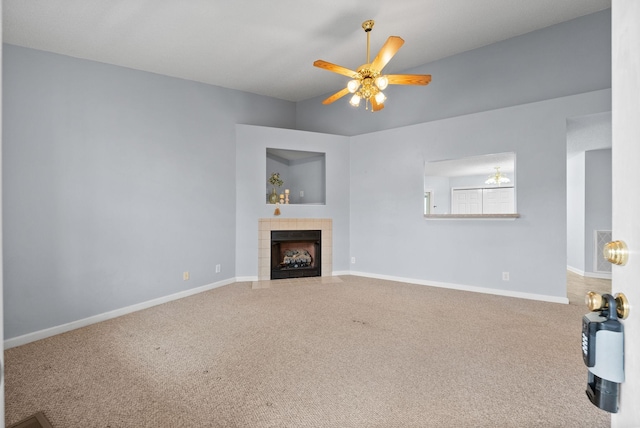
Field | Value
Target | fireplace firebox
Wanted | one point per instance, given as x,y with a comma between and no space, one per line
295,253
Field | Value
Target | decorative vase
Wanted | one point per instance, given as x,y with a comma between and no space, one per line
273,197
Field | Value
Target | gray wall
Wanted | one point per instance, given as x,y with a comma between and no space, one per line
565,59
575,212
589,192
391,237
252,142
115,182
281,166
514,95
597,200
307,175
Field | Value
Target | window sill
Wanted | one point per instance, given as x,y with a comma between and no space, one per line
298,204
472,216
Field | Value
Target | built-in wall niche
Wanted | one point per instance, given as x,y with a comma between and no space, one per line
301,177
472,187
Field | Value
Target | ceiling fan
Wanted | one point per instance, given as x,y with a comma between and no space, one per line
368,82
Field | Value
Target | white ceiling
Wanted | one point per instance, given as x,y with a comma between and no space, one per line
268,47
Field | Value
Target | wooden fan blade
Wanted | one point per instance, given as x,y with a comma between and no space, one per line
409,79
335,68
336,96
375,106
387,52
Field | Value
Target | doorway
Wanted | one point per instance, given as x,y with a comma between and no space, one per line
589,213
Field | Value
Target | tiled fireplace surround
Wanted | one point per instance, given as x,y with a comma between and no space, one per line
266,225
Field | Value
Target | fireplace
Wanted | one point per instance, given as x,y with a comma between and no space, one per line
267,225
295,253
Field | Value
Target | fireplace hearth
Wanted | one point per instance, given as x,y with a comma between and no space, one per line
295,253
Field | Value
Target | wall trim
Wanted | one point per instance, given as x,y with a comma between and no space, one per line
598,275
472,288
63,328
340,272
246,278
575,270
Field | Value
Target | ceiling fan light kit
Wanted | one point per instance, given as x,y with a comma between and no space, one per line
368,82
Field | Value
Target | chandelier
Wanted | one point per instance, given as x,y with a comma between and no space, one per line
498,178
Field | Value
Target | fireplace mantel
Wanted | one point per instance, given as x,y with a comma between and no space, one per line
266,225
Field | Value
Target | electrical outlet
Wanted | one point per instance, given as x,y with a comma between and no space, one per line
353,260
185,276
505,276
217,268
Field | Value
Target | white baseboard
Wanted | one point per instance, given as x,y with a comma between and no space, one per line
52,331
340,272
472,288
575,270
246,278
598,275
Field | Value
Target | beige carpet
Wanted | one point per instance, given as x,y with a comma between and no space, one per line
356,353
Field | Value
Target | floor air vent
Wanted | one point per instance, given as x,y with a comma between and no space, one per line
601,239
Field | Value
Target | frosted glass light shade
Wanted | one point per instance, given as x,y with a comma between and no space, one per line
382,82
